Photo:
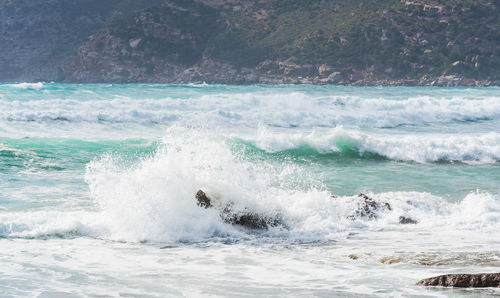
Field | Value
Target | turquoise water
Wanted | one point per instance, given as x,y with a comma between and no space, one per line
95,179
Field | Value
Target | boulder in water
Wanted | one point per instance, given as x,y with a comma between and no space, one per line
482,280
368,208
406,220
246,219
203,200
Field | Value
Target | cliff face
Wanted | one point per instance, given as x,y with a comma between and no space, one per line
359,42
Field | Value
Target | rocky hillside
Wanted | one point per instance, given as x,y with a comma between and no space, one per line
40,38
355,42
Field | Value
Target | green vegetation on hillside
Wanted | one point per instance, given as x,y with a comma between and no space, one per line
141,40
398,38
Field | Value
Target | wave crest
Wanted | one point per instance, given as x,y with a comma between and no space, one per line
422,148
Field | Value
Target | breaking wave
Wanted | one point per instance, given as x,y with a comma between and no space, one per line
423,148
153,200
247,109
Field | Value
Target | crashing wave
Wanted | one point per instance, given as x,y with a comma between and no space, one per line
482,148
153,200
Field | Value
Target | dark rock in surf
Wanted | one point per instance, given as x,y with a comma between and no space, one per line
246,219
368,208
253,221
406,220
203,200
482,280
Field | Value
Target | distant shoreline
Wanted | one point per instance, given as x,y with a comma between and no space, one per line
381,83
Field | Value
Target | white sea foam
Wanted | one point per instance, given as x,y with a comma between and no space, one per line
32,86
154,198
52,223
420,110
248,109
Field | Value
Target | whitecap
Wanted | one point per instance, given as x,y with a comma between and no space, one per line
279,109
29,86
422,148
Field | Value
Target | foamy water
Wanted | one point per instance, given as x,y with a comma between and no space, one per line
98,186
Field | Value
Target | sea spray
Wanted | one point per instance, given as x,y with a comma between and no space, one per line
155,198
158,193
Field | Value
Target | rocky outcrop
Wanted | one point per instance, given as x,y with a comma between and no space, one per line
266,72
245,218
481,280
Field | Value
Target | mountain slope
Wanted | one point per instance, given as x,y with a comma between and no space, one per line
360,42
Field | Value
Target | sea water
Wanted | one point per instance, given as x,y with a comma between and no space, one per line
98,184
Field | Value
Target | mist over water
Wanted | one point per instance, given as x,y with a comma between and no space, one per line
92,173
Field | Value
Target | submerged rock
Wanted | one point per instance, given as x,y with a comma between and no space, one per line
246,219
391,261
482,280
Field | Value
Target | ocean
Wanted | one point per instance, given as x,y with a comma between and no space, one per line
98,185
